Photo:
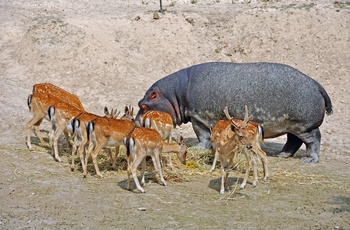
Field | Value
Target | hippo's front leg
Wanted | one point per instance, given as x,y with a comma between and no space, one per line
203,134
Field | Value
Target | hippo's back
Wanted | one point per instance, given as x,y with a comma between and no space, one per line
278,96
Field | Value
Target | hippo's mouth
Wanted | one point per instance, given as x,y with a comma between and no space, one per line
155,99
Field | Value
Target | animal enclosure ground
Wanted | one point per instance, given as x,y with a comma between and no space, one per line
109,53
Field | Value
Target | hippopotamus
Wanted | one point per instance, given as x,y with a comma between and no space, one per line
279,97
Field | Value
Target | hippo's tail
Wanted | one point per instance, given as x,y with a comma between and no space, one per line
327,99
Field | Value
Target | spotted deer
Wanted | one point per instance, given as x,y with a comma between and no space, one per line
214,137
236,137
142,142
104,131
79,133
223,124
60,115
162,122
43,96
128,115
253,134
63,95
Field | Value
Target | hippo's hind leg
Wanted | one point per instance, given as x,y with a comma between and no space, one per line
292,145
312,140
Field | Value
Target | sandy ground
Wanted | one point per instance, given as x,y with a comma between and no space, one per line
109,53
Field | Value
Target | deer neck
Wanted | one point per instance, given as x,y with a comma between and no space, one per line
172,147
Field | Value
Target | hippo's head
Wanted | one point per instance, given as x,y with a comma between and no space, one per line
154,99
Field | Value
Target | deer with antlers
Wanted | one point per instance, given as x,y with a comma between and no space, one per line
163,123
43,96
142,142
240,136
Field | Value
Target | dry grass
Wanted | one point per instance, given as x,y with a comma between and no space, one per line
198,162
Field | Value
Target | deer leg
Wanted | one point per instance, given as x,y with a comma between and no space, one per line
74,150
55,133
114,163
37,131
170,154
255,171
143,171
263,157
80,151
66,136
223,180
94,154
29,144
132,169
156,156
90,148
128,171
246,171
35,121
215,159
227,168
154,163
170,161
113,158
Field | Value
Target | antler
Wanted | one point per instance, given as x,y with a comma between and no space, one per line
230,118
246,118
227,114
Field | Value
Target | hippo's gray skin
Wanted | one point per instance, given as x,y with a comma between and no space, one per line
278,96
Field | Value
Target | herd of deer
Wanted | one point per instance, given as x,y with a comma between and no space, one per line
150,136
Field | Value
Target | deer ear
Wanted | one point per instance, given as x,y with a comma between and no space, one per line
106,110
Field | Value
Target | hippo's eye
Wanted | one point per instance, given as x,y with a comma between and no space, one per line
152,95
